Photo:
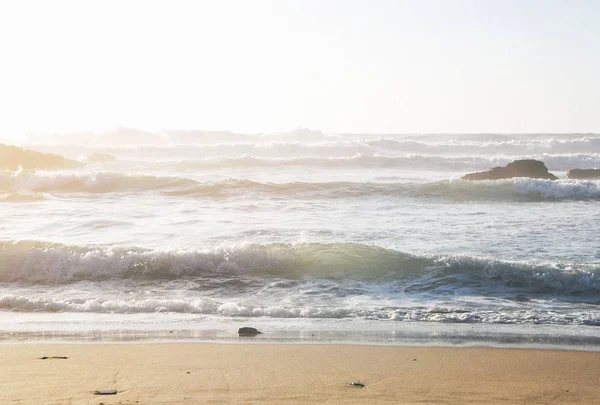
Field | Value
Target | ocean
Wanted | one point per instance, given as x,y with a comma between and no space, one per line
309,237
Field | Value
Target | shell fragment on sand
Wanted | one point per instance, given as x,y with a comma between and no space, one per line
105,392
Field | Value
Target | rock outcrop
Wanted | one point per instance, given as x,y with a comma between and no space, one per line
518,168
584,174
12,158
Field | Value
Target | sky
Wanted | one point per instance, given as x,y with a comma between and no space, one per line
373,66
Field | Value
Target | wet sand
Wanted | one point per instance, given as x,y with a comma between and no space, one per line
197,373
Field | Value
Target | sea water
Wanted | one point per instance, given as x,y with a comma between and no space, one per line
308,236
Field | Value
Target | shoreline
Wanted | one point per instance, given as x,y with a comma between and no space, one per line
244,342
190,373
544,337
274,342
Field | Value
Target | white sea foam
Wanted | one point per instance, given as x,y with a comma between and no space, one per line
583,144
508,189
563,189
459,312
562,162
424,162
24,197
100,182
27,186
346,146
38,262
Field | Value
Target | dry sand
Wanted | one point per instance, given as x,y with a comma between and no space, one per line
194,373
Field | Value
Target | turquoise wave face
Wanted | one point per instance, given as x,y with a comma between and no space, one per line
39,262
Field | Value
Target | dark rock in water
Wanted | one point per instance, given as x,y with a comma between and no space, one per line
248,332
584,174
518,168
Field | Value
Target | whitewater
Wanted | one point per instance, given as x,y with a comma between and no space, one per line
308,236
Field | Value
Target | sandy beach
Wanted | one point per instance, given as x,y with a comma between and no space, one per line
194,373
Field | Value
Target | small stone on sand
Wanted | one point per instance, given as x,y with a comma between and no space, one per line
248,332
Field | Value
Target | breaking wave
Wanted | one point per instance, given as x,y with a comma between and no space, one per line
24,197
515,147
26,186
389,146
40,262
354,162
349,146
520,189
411,161
73,182
517,189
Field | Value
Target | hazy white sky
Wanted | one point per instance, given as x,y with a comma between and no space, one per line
339,66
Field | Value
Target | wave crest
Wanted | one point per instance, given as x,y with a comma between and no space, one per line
24,197
410,161
40,262
518,189
100,182
36,186
319,145
551,145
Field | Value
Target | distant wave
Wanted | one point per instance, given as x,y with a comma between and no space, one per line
567,162
384,146
518,189
259,148
347,146
102,182
357,162
23,197
40,262
32,185
515,147
412,161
